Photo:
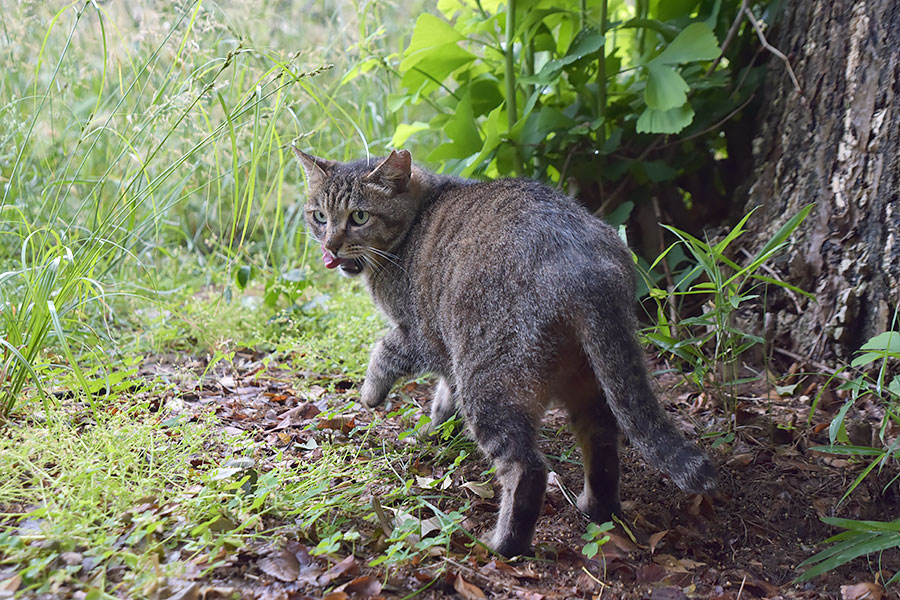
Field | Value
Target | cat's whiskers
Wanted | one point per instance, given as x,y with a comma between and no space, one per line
376,267
392,258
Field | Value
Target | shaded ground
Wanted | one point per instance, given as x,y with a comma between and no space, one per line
745,544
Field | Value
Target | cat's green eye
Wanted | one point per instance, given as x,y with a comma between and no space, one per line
359,217
320,217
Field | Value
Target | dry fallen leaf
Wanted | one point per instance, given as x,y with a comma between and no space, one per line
667,593
650,573
740,460
482,490
178,589
621,542
499,566
346,568
467,590
316,391
656,538
364,586
676,565
862,591
9,586
342,423
295,416
283,566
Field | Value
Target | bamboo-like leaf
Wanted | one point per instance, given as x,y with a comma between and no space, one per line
784,232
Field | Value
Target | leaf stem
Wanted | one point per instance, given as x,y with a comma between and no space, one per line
512,113
601,62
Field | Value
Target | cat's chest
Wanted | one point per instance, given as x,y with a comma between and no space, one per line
393,298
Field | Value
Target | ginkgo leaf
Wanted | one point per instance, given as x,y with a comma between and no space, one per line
665,121
695,42
665,88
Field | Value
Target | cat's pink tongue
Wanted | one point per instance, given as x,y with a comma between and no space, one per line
331,261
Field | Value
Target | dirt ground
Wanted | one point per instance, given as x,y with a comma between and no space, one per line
746,543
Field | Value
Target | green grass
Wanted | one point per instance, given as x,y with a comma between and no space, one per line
147,151
137,497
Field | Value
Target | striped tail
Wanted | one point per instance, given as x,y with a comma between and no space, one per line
622,375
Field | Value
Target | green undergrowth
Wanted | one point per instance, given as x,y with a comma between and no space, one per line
125,501
145,161
328,322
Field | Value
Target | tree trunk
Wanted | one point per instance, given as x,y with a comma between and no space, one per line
836,145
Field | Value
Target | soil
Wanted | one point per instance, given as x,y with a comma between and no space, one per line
745,543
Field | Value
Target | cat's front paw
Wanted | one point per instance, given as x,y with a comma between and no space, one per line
370,396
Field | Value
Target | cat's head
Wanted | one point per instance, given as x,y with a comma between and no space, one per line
360,211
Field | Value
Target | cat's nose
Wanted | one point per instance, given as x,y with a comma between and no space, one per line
334,243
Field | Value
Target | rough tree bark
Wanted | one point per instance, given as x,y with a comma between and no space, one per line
837,145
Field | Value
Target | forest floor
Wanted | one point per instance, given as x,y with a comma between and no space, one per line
745,543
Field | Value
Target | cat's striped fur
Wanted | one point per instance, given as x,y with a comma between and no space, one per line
516,297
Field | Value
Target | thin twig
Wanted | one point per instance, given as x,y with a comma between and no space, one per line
562,174
714,126
773,49
746,72
812,363
730,36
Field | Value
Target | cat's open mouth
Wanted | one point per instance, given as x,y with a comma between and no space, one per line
350,266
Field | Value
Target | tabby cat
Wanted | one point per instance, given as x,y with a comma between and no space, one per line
516,297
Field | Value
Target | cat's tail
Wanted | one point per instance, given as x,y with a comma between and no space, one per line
617,360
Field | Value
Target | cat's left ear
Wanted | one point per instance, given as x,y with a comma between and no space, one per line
393,173
316,168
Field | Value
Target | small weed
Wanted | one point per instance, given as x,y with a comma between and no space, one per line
711,343
861,538
595,537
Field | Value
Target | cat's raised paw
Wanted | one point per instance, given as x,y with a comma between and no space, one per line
369,396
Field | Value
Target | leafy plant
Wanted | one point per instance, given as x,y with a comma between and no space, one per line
568,91
595,537
861,538
711,343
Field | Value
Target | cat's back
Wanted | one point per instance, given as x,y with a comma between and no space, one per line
515,224
491,244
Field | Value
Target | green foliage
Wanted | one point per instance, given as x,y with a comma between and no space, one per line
559,90
861,538
595,537
712,342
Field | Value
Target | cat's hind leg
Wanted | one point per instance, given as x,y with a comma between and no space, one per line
443,407
575,386
595,428
506,434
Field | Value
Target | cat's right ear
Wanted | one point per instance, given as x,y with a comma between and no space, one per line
316,169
